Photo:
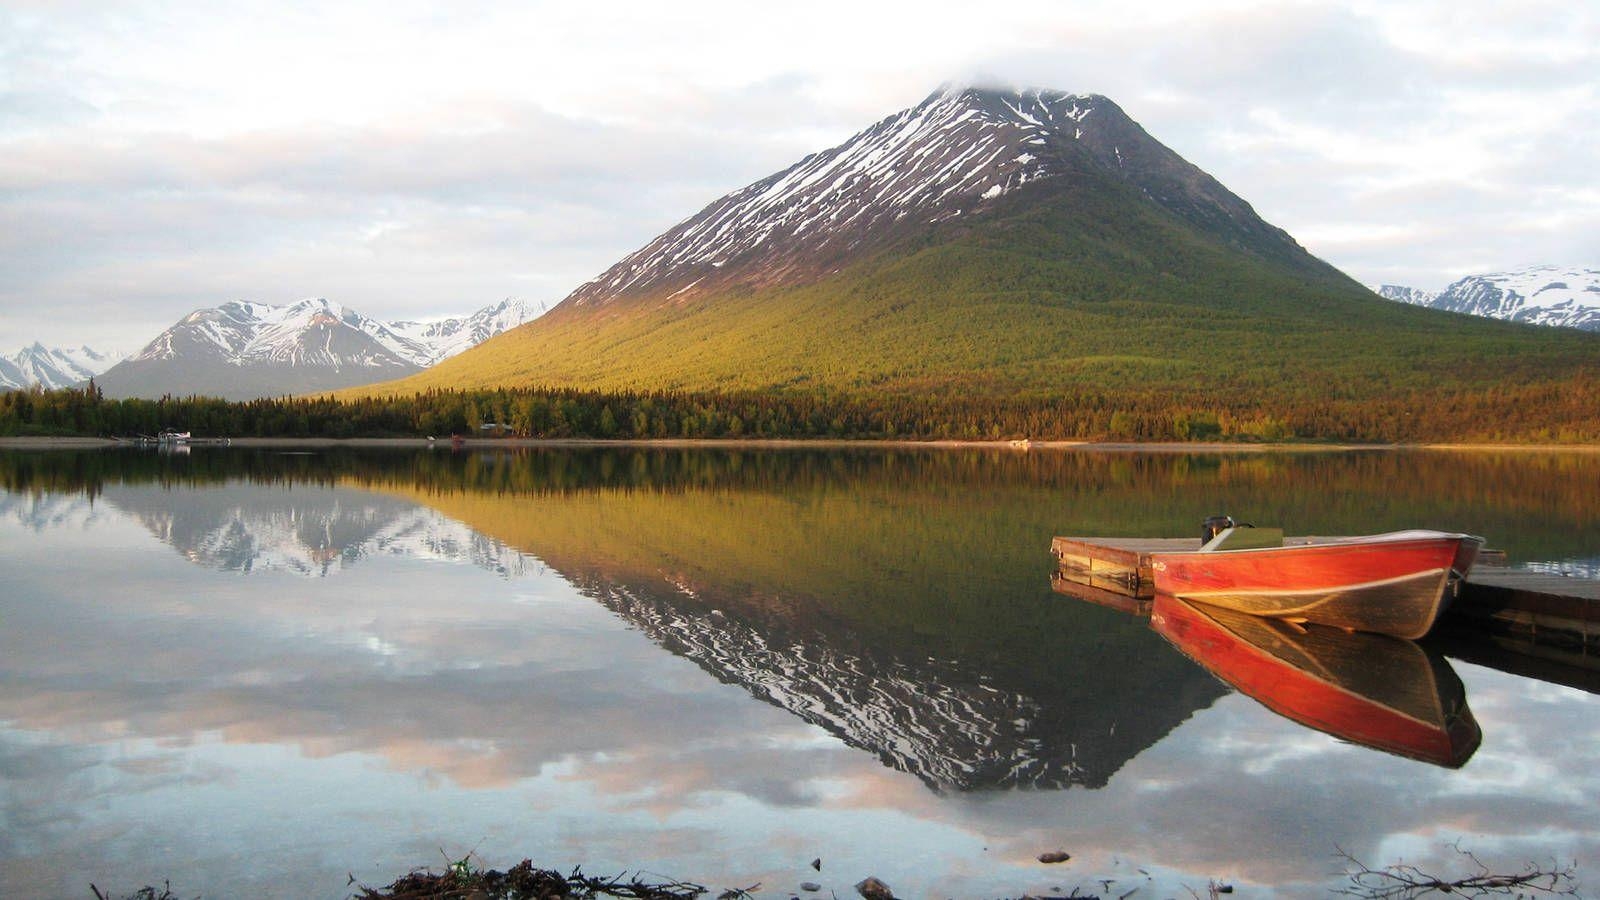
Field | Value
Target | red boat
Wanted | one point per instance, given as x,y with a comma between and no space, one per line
1369,689
1397,583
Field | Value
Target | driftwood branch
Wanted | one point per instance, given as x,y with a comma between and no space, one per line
145,893
524,882
1404,880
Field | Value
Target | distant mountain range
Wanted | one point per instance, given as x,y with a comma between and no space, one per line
989,242
1538,295
242,350
52,368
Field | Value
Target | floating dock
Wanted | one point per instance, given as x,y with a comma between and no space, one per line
147,441
1552,614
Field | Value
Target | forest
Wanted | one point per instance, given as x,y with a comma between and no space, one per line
1537,412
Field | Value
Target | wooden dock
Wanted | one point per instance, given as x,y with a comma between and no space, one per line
1549,611
1064,583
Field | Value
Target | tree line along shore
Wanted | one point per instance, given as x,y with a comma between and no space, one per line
1539,413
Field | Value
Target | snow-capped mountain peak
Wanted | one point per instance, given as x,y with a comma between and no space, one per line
1531,294
52,367
1568,296
302,333
1403,294
959,153
243,349
445,338
956,151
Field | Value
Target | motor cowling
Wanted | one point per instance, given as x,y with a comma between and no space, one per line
1213,526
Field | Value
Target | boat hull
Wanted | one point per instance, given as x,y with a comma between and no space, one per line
1390,584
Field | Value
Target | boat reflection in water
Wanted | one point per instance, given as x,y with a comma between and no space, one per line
1371,689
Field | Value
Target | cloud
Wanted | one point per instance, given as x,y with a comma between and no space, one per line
411,159
1420,142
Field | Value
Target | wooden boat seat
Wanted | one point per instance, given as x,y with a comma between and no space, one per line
1245,538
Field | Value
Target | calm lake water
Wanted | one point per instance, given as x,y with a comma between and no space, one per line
253,672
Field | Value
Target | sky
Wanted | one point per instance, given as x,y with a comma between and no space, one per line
414,160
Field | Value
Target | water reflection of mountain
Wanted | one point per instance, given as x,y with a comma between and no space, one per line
1052,717
43,511
245,529
925,659
916,624
946,721
898,599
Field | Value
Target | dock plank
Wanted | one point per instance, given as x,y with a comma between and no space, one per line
1548,610
1089,590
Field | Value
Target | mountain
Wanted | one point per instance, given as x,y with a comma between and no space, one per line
985,242
1403,294
242,350
955,154
444,338
1538,295
52,368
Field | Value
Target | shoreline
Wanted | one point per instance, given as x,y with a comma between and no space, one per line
89,443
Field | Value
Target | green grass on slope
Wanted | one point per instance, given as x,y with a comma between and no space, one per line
1087,287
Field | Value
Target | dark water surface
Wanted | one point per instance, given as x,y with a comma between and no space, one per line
252,673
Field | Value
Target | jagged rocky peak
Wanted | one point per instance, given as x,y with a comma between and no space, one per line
955,154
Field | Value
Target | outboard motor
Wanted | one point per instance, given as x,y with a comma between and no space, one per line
1213,526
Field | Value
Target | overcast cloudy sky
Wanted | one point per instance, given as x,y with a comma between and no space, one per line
411,159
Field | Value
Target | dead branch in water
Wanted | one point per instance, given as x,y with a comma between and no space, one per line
145,893
1403,880
524,882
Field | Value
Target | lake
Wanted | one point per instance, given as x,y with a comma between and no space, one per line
254,671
